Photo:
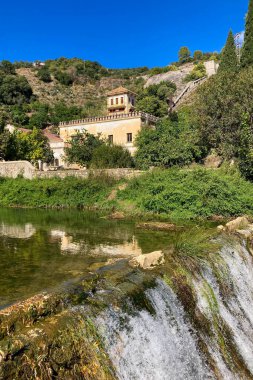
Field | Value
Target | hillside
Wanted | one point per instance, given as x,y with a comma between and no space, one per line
80,93
177,77
43,94
76,94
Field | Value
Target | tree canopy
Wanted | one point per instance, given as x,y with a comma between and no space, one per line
229,60
247,50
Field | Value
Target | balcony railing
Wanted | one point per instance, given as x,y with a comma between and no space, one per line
144,116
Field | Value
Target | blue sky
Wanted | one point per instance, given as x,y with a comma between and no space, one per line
116,33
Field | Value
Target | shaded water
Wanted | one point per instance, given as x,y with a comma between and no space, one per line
41,249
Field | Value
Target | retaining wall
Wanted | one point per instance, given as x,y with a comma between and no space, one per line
13,169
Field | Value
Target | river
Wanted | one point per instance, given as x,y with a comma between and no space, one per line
191,318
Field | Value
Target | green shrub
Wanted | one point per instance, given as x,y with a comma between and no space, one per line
198,72
171,143
111,156
44,74
64,78
191,193
55,192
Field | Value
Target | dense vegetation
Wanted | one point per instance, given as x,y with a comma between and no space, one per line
190,193
31,146
55,193
247,50
173,142
88,150
153,99
176,194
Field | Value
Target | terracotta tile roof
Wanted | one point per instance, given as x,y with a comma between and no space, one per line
119,91
24,130
51,136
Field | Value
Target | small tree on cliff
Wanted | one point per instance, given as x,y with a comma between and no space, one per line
229,61
184,54
247,50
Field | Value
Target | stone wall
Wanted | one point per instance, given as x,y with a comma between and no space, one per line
13,169
83,173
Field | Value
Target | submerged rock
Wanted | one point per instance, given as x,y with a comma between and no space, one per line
148,261
117,216
157,226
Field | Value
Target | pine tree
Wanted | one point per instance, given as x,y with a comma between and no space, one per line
247,50
229,61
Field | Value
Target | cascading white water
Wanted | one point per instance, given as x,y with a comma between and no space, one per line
236,310
163,345
153,347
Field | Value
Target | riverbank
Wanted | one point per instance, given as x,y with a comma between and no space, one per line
162,194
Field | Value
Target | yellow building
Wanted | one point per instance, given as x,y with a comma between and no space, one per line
120,126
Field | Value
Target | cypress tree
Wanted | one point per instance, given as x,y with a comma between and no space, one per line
247,50
229,61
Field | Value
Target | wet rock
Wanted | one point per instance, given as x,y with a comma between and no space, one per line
246,234
148,261
157,226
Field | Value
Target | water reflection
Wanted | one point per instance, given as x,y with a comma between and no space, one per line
42,249
68,245
17,231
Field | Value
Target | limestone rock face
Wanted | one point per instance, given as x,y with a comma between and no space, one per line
148,261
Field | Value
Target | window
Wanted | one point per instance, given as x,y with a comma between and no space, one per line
111,102
122,100
117,100
110,139
129,137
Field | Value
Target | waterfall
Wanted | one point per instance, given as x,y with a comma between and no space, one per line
164,345
155,346
236,309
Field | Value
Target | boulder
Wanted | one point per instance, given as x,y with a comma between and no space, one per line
213,161
147,261
221,228
117,216
237,224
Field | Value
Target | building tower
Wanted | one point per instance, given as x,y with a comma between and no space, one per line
120,100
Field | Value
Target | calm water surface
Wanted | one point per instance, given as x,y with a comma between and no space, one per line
42,250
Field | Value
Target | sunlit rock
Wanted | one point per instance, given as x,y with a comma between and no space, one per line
148,261
237,224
